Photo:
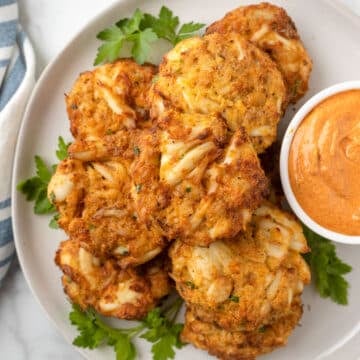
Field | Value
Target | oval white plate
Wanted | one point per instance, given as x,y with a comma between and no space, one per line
325,326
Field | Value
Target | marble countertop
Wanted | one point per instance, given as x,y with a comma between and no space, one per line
26,333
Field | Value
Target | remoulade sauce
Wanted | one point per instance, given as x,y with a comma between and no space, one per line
324,163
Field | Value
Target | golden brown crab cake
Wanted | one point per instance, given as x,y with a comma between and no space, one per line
107,102
271,29
105,214
248,281
239,345
214,180
222,75
125,294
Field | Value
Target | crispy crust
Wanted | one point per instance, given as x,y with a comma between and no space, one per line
247,281
239,345
215,193
271,29
222,75
191,177
101,210
107,102
125,294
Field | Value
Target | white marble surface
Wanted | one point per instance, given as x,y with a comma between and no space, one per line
25,332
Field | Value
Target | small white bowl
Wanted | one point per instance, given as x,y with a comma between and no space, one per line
284,162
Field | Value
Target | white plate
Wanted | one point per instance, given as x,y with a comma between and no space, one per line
331,35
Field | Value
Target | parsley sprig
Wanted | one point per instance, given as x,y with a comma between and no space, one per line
35,188
141,30
158,327
328,270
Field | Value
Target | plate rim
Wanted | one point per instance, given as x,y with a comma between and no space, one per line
341,8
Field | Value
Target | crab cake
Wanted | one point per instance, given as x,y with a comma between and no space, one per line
125,294
105,103
97,207
239,345
248,281
271,29
222,75
213,178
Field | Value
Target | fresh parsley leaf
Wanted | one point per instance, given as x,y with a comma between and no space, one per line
54,221
132,25
30,187
91,336
164,25
125,30
155,323
113,33
94,333
141,47
42,203
121,23
110,50
42,171
187,30
328,270
163,332
124,348
164,348
141,30
154,319
35,188
158,327
176,331
62,151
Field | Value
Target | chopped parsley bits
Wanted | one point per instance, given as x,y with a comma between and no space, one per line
136,150
190,285
262,329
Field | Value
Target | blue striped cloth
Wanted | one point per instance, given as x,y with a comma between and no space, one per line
17,69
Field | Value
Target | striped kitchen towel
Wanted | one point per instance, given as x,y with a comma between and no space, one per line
17,78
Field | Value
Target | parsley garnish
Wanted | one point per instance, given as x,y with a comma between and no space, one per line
141,30
54,221
262,329
190,284
158,327
136,150
62,151
35,188
234,298
327,268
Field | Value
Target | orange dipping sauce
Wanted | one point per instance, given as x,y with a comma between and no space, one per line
324,163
